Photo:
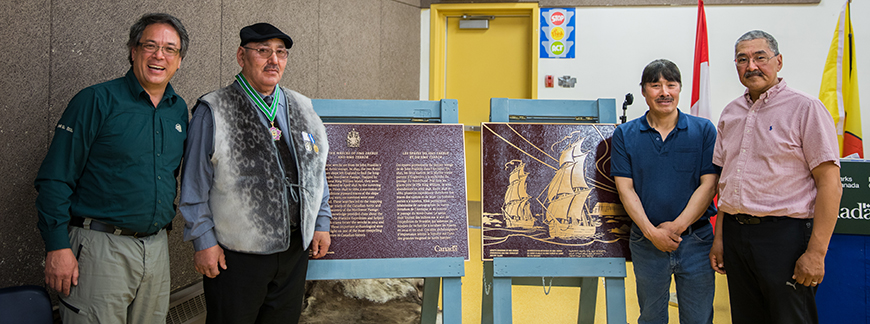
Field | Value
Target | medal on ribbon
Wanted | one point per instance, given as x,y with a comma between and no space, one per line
276,133
306,139
270,110
313,143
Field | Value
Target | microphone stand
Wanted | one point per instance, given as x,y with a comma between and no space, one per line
629,99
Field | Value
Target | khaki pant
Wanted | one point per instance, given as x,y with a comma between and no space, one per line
122,279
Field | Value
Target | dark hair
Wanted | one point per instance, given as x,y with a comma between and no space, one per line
658,69
156,18
759,34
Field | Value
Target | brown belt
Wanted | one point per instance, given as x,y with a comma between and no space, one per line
93,224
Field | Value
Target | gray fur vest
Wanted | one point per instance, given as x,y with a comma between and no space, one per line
249,199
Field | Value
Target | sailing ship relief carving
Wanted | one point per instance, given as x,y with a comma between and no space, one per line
573,211
567,216
516,211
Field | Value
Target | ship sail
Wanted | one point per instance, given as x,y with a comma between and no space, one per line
573,205
571,174
516,209
566,212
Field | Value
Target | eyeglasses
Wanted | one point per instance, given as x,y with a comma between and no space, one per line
265,52
151,48
758,58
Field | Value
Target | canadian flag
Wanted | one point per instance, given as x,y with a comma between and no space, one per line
701,75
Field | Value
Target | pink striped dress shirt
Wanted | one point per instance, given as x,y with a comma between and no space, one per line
767,150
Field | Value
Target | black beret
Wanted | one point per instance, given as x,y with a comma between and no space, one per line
262,31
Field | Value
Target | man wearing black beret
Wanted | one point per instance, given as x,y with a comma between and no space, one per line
253,191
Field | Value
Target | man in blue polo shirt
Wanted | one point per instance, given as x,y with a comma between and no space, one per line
662,165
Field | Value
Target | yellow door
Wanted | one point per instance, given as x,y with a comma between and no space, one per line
483,64
472,66
479,64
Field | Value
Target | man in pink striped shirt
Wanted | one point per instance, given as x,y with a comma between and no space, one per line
778,193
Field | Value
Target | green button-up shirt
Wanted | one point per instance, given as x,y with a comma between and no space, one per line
114,158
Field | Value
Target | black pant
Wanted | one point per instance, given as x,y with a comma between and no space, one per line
759,262
258,289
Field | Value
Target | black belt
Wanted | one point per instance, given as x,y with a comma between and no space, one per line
746,219
99,226
696,226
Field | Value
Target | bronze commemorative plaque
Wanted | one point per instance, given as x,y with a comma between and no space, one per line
547,192
397,191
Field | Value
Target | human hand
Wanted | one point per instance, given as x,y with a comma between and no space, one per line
320,244
717,256
672,227
207,261
664,239
809,270
61,270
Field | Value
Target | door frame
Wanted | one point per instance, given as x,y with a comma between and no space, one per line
438,14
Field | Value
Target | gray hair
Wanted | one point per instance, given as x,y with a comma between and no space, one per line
759,34
156,18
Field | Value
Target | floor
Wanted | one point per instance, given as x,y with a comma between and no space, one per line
533,306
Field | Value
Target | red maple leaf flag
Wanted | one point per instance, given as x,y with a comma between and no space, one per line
701,72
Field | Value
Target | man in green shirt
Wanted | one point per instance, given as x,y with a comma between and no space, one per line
107,185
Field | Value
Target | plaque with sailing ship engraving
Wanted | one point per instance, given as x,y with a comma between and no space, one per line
397,191
547,192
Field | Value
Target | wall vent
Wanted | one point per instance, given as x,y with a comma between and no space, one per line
187,306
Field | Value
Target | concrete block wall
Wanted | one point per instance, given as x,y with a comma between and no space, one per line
362,49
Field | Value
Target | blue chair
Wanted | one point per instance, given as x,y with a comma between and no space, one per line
25,304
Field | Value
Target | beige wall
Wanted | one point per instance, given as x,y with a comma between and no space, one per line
362,49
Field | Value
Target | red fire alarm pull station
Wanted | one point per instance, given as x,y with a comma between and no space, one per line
548,81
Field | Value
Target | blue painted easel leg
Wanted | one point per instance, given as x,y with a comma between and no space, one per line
614,290
452,300
501,300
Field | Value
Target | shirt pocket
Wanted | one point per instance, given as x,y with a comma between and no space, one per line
686,159
173,132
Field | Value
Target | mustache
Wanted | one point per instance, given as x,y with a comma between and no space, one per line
271,67
749,74
665,98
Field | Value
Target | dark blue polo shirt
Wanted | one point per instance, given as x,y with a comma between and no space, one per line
665,173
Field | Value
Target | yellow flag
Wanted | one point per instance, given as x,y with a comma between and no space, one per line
839,91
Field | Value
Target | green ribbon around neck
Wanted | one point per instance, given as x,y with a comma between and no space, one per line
270,111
